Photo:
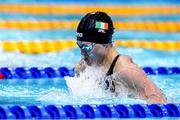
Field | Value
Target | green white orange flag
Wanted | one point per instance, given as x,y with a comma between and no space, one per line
102,25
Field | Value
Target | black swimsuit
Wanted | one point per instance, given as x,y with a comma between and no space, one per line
109,82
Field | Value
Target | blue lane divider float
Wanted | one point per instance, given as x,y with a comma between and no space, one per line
162,70
50,72
90,111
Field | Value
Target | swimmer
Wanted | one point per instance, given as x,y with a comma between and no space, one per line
94,38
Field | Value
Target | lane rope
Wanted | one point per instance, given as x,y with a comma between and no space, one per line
54,72
87,111
44,46
83,9
157,26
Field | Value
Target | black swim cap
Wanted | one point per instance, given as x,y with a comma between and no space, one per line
96,27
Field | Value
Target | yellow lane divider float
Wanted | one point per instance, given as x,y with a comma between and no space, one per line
124,10
160,26
44,46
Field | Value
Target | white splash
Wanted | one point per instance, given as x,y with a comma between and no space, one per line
86,89
86,85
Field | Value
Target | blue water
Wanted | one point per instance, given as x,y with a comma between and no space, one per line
21,16
44,91
14,34
55,91
143,57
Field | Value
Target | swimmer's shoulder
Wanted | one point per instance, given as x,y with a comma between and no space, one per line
123,61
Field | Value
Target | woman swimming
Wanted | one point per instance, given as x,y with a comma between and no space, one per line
94,38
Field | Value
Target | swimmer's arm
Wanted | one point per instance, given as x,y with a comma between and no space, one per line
154,94
137,80
79,67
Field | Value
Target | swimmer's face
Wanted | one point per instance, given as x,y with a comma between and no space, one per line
92,52
86,47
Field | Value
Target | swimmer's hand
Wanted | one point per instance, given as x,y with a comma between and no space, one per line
77,69
80,67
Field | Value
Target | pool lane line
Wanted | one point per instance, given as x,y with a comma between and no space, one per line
91,111
98,2
157,26
116,10
60,72
45,46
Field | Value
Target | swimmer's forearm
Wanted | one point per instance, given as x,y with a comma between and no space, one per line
152,92
156,99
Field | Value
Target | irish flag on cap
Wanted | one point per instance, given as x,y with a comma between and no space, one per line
101,25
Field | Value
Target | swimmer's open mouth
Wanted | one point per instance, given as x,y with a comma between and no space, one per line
86,59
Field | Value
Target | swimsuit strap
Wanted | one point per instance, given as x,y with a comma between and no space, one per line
110,71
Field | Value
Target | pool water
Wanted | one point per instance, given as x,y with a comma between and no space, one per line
56,90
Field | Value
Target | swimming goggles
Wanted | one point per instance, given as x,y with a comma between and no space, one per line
85,47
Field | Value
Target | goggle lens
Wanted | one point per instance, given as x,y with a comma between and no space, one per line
85,47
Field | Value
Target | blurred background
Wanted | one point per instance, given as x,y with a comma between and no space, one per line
42,33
